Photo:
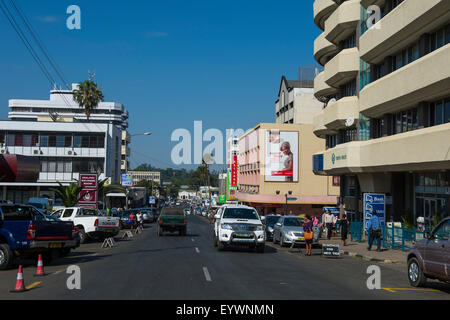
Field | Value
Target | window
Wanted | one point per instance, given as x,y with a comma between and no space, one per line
447,111
16,212
68,213
60,141
44,141
18,140
438,119
77,141
443,232
67,141
52,141
85,141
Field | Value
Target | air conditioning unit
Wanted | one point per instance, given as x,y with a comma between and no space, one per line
3,151
70,152
36,152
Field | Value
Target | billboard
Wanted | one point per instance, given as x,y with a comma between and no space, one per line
281,156
234,171
373,202
127,180
89,182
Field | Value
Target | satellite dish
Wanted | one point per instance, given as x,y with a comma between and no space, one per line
208,158
349,122
331,101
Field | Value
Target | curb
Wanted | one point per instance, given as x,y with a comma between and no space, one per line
358,255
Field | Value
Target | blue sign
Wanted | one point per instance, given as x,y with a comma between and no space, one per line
152,200
127,180
374,202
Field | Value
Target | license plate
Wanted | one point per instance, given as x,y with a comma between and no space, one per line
55,245
301,239
243,235
109,231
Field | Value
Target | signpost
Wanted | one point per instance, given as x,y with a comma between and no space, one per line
377,202
89,182
331,250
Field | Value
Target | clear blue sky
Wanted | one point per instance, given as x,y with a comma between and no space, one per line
169,62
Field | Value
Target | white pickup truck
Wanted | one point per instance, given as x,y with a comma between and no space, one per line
238,225
89,223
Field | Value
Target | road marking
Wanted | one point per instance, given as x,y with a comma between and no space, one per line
393,290
207,275
59,271
192,240
197,250
31,286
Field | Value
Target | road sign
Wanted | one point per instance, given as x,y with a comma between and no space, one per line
331,250
89,182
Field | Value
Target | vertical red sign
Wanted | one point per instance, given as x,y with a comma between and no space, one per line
336,181
234,171
89,182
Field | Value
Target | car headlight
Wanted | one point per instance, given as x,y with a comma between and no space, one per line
270,229
226,226
259,228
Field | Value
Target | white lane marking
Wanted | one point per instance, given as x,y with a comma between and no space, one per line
192,240
197,250
207,275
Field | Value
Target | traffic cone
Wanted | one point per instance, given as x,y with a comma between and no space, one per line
20,286
40,267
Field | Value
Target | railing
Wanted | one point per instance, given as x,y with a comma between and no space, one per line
394,235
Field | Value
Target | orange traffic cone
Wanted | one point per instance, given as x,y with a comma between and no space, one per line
20,286
40,267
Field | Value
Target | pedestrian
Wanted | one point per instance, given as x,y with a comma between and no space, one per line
132,220
308,234
344,229
374,231
139,218
329,218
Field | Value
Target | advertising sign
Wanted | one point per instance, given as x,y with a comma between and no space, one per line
126,180
234,170
89,182
375,202
281,156
331,250
152,200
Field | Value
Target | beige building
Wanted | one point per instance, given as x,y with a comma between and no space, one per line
386,94
139,176
263,181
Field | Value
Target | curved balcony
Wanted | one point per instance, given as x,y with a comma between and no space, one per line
322,10
319,128
404,24
323,49
343,22
425,79
342,68
321,88
336,114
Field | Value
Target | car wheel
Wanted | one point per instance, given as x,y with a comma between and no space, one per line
415,274
64,252
6,256
160,232
83,236
260,248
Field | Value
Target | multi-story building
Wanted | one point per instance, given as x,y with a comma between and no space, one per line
63,150
275,170
139,176
386,94
125,152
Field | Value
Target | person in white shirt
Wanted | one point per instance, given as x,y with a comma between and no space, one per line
139,218
329,220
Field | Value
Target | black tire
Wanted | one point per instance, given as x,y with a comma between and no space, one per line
6,256
415,273
83,236
260,248
64,252
160,232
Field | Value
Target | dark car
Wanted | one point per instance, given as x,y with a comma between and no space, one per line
430,257
172,219
270,222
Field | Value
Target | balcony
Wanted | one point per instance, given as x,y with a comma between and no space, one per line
343,21
425,79
342,68
336,114
322,10
323,49
319,128
395,153
321,88
406,23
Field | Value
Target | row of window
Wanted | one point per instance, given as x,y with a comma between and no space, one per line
67,165
65,110
343,136
59,141
388,6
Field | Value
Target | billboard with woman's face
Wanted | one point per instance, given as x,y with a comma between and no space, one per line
281,156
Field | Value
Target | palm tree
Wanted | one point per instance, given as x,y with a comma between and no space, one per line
88,96
70,195
110,188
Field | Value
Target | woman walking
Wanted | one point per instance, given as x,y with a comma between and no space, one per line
309,234
344,229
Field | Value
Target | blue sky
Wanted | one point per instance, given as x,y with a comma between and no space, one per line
169,62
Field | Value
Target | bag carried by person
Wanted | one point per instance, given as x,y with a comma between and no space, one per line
309,235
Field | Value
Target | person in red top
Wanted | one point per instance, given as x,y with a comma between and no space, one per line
133,220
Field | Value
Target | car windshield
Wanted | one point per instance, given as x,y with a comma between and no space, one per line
271,220
294,222
240,213
89,212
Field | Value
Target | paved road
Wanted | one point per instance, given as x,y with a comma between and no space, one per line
190,268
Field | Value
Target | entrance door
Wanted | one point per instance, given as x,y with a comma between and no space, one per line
429,209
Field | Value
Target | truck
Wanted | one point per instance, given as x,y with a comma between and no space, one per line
90,223
43,204
172,219
26,232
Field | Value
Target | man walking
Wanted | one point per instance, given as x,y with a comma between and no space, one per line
329,223
374,231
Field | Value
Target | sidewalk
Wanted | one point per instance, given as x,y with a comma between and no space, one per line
355,249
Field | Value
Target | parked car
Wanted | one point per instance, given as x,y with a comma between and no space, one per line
270,222
289,230
43,204
430,258
238,225
172,219
26,232
125,222
89,223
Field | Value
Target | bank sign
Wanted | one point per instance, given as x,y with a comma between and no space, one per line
374,202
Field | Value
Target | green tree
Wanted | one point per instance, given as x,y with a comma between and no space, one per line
70,195
151,186
88,96
104,189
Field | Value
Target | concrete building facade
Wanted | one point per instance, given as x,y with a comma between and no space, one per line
386,95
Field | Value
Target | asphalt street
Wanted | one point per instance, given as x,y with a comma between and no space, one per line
190,268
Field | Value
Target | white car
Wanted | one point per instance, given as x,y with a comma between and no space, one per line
89,223
238,225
